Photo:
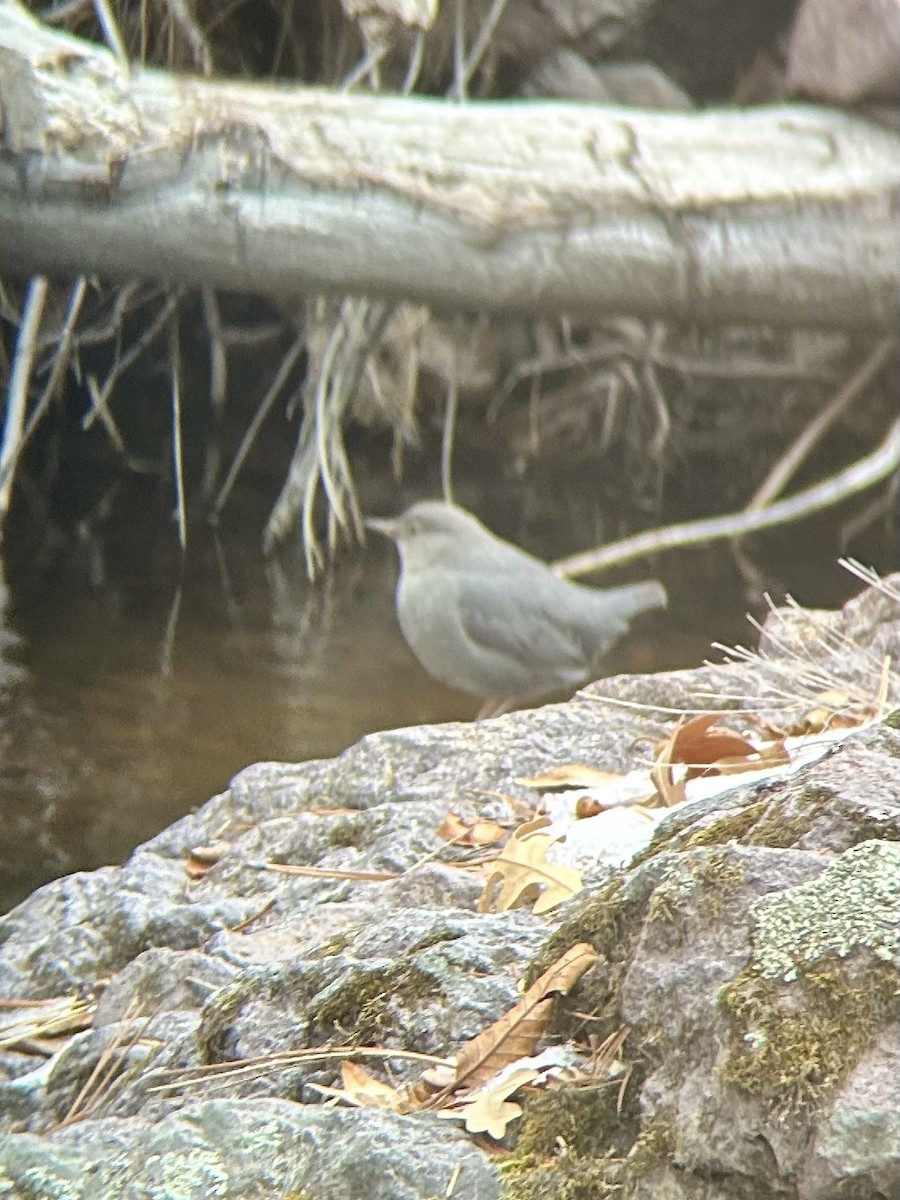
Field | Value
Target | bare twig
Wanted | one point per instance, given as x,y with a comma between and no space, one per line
281,376
168,643
797,452
111,32
482,41
60,362
100,395
448,436
218,353
177,454
218,387
193,34
858,477
99,408
18,387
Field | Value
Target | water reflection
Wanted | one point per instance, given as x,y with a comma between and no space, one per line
122,709
124,706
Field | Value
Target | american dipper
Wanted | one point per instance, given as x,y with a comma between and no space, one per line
484,617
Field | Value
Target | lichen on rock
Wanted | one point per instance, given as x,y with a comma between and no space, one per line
854,902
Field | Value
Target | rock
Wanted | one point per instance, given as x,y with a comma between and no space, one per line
750,951
232,1149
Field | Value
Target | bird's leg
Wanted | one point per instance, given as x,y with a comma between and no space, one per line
495,706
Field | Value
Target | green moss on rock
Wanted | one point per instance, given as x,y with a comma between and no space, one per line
786,819
804,1010
794,1045
733,827
365,1004
567,1146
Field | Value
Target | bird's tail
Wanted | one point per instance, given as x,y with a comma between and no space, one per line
636,598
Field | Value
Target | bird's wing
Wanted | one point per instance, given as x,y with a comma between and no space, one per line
530,638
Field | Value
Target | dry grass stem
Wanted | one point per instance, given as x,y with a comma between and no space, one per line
226,1072
109,1065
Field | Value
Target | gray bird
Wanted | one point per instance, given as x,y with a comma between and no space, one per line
484,617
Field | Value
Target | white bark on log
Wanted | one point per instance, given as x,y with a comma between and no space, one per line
783,215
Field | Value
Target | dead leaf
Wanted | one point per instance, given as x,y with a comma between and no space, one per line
488,1110
521,868
834,709
452,827
455,828
771,754
569,775
366,1090
518,1031
699,743
362,1090
202,858
662,775
701,748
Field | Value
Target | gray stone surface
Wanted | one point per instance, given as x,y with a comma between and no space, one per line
751,948
237,1150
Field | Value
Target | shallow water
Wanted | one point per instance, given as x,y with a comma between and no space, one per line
132,689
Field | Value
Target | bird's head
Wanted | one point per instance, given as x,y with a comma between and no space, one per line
432,531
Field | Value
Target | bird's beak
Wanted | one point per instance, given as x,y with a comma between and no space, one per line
382,525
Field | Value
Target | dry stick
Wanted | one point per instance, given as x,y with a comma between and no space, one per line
480,45
414,66
177,454
122,363
99,408
878,506
859,476
18,387
454,1179
218,353
458,90
447,437
110,28
64,12
324,872
193,35
281,376
218,386
796,454
803,445
652,385
622,348
60,362
168,642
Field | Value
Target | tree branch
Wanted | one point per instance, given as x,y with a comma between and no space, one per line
779,215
